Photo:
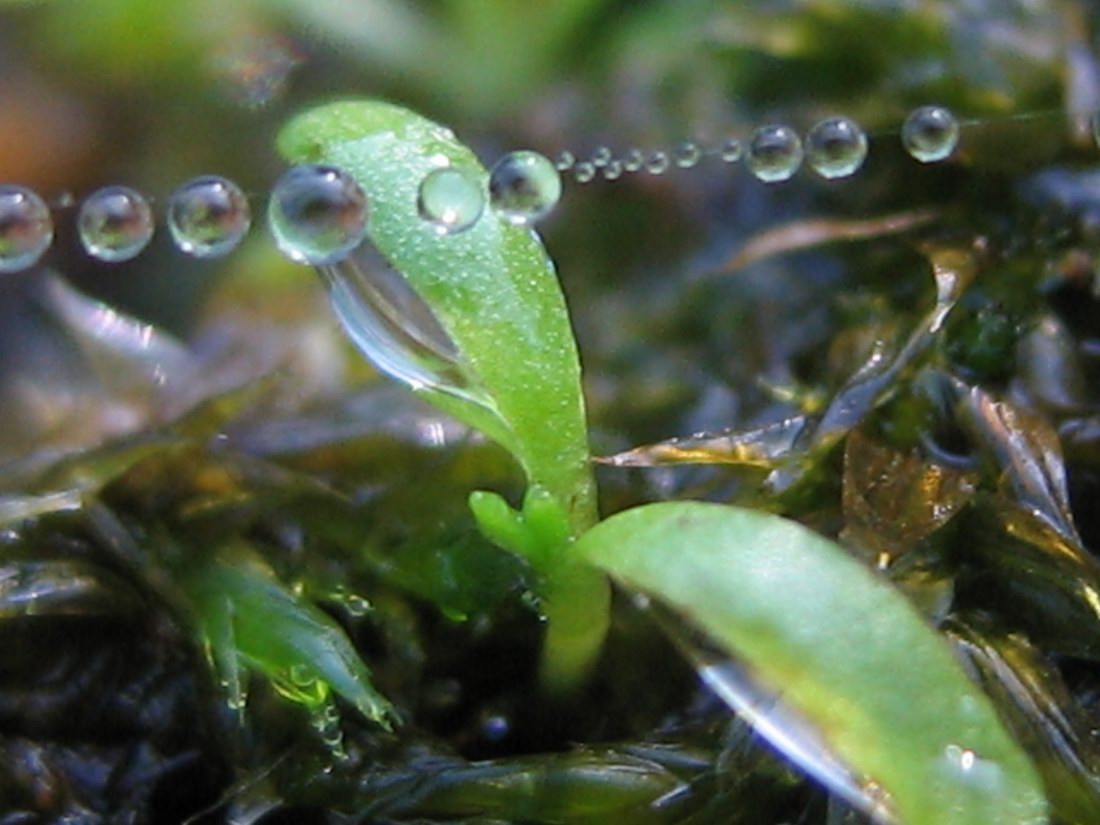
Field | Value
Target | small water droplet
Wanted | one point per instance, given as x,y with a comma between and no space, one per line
601,156
836,148
930,133
565,161
633,160
523,187
775,153
732,150
688,154
451,200
208,216
301,675
318,214
115,224
584,172
26,228
657,163
613,170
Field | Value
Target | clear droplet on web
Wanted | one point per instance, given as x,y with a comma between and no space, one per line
633,160
731,150
26,228
601,156
930,134
657,163
564,161
451,200
613,170
524,186
208,216
584,172
774,153
836,147
688,154
318,214
115,224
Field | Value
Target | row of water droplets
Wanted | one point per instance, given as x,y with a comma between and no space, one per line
318,214
834,148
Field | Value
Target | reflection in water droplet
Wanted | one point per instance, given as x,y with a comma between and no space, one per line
656,163
523,187
836,148
115,224
451,200
930,134
208,216
318,214
26,229
775,153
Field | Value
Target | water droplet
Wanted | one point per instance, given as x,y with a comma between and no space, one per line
930,133
451,200
601,156
731,150
115,224
656,163
26,229
613,170
524,186
688,154
632,161
775,153
394,327
565,161
208,216
836,148
318,214
302,675
584,172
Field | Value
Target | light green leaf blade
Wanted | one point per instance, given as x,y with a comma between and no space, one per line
492,289
246,617
838,645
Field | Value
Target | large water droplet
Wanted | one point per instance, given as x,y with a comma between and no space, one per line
930,133
836,148
208,216
451,200
318,214
775,153
115,224
394,327
26,229
524,186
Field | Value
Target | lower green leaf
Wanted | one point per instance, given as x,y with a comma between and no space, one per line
837,645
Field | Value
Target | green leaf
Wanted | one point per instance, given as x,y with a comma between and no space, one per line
492,289
840,646
246,617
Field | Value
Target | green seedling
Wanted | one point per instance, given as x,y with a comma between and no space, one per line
916,740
